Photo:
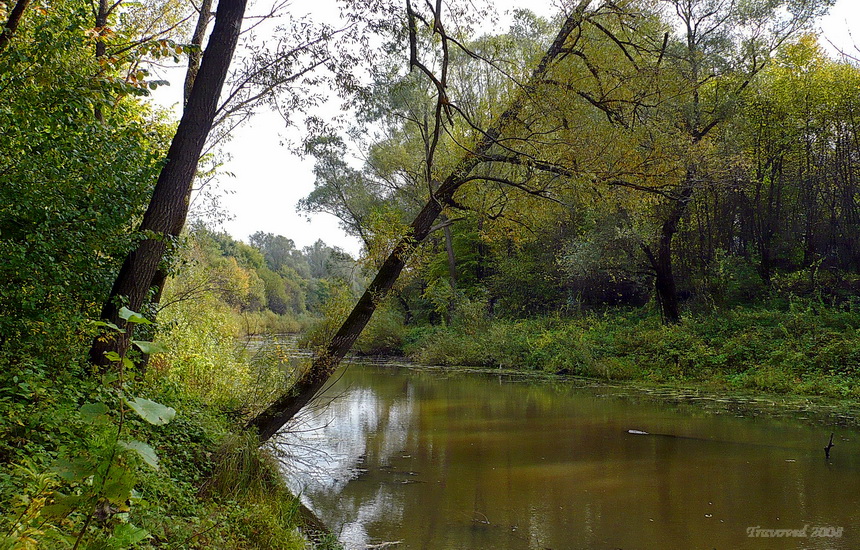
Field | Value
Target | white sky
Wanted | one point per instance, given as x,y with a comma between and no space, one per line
269,181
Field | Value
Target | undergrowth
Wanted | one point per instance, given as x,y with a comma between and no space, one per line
798,346
127,459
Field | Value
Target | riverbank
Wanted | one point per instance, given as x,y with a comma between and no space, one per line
154,459
797,348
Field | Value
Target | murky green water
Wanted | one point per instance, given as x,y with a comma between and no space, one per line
435,460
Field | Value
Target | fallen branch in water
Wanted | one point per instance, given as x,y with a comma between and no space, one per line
383,545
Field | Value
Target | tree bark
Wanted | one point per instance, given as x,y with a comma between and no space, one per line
11,25
196,53
194,57
168,208
273,418
101,48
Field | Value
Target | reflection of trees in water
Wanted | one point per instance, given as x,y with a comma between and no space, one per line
516,465
329,445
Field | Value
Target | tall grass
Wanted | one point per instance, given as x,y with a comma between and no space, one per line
801,347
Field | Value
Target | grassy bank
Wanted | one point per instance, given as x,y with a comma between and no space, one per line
798,347
100,460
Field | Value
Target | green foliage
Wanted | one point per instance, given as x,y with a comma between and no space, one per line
72,188
203,357
265,322
77,446
270,276
385,331
93,489
806,348
383,334
334,311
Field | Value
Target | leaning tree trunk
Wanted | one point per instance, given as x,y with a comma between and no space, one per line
168,208
268,422
204,17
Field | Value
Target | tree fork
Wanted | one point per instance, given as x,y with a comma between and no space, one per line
275,416
168,208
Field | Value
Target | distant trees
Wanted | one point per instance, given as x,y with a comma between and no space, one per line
444,180
698,151
270,73
720,47
623,163
256,277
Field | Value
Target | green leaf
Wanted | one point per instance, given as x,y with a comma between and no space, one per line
152,412
108,325
126,535
118,484
113,356
145,452
62,504
93,413
149,347
133,317
73,470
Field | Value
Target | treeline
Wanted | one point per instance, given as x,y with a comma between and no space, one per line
267,276
743,188
654,168
673,157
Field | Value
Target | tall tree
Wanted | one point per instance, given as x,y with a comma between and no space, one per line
719,47
268,422
168,208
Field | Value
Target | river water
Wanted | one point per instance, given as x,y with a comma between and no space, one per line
430,459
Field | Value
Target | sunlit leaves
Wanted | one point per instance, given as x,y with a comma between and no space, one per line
152,412
144,451
133,317
71,188
149,348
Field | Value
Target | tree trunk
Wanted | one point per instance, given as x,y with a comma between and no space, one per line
168,208
12,23
196,52
194,57
273,418
102,14
661,263
452,271
667,292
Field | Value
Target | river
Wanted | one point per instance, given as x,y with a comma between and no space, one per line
434,459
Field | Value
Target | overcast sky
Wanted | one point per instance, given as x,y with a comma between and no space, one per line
268,181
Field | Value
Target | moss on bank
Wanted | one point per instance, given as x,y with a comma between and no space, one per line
797,347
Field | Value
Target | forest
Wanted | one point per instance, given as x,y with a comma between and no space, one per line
659,192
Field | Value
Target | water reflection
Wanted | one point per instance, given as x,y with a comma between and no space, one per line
442,461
